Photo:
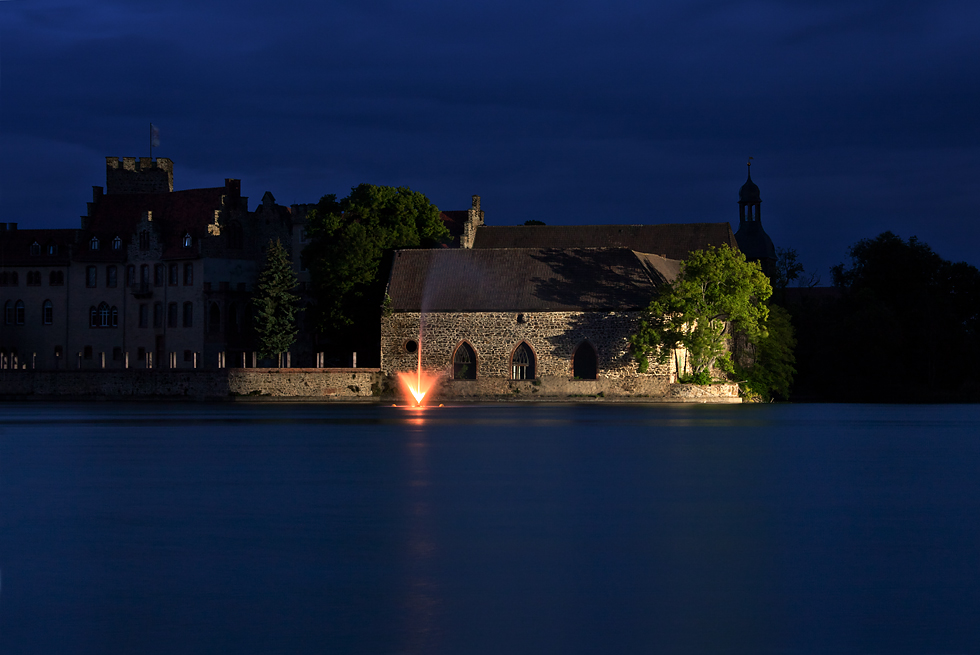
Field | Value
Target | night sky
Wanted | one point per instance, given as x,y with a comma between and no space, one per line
861,116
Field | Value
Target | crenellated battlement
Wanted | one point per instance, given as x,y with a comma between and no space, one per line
139,175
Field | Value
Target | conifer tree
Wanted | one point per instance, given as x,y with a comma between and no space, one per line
275,304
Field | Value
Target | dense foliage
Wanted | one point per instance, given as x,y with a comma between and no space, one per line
346,256
767,372
900,325
275,304
716,292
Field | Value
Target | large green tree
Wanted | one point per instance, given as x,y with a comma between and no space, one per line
275,304
716,292
347,254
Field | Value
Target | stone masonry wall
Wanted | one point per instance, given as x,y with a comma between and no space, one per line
324,383
494,336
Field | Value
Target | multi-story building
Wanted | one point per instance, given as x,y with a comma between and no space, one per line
153,276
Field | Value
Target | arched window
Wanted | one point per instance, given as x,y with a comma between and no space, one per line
105,315
93,317
187,240
144,240
110,277
158,314
94,243
35,248
47,313
116,243
144,275
584,366
8,312
188,274
130,275
188,314
172,315
52,248
214,319
19,312
522,363
464,363
114,317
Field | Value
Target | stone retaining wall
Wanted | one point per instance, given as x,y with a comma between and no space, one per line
325,383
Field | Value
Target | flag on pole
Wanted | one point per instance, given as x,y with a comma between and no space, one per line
154,136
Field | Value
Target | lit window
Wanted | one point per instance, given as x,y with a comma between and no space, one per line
523,363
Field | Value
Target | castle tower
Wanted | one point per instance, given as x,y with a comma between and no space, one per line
142,175
752,239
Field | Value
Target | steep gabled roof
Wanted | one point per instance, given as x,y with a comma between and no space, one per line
671,240
525,280
174,214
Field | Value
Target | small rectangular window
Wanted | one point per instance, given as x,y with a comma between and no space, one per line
173,275
91,277
110,277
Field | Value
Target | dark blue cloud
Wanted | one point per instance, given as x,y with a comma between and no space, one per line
860,115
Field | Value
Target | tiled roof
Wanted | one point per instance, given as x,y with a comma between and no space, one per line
175,214
672,240
15,247
535,279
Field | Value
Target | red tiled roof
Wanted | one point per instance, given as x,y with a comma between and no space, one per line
15,247
175,214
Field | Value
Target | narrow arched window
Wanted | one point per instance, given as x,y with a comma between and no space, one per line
188,274
584,365
187,240
114,317
144,240
464,363
19,312
8,312
94,243
35,248
130,275
116,243
93,317
47,313
104,315
188,314
522,363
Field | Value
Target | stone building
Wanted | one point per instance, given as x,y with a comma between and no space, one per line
153,277
548,321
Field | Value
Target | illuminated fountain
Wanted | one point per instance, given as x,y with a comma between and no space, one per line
418,384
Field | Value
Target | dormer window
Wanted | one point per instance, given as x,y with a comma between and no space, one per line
52,249
116,243
94,243
35,248
187,240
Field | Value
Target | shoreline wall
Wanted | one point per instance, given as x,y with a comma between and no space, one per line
342,384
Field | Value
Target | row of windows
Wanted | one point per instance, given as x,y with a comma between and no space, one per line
162,275
51,248
144,242
12,279
523,361
13,312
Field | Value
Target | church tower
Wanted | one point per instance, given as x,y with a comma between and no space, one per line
752,239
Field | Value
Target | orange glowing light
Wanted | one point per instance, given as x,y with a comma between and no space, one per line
419,384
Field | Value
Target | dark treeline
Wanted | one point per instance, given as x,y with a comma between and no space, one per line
899,324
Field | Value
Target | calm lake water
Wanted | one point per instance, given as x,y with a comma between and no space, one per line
153,528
